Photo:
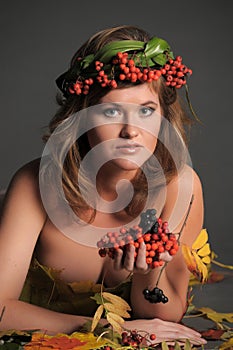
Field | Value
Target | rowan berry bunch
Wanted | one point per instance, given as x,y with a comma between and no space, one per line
174,72
128,67
152,231
135,339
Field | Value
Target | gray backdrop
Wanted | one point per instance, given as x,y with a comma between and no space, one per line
38,39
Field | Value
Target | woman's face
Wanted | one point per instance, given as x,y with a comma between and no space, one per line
125,126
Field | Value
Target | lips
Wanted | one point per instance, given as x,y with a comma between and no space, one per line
130,145
129,148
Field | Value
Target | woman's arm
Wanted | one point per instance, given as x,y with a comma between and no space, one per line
22,219
175,277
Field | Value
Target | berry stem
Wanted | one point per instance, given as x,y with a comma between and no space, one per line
179,236
160,273
186,218
190,105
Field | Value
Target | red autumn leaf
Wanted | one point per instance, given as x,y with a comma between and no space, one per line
213,334
215,277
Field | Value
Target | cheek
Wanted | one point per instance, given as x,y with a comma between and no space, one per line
100,134
151,142
92,137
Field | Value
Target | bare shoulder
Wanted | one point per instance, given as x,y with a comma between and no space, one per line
26,175
23,190
22,220
187,178
185,196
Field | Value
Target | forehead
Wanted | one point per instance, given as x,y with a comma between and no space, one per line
139,94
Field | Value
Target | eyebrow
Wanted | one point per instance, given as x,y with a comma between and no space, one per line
149,102
116,104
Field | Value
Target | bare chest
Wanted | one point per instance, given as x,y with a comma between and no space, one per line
76,261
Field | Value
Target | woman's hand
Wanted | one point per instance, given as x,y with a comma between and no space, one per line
128,262
140,265
166,331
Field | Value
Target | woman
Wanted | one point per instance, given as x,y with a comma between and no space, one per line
120,111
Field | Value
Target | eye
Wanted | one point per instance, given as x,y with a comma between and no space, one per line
146,111
112,112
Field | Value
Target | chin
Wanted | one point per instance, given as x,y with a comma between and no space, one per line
127,165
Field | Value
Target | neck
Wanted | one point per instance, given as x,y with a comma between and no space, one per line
110,182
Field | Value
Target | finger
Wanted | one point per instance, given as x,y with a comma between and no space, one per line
165,256
129,258
181,337
181,343
117,262
181,328
141,264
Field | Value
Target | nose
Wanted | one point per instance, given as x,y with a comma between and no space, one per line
129,131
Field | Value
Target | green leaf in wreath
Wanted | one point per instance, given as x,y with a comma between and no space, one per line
156,46
111,49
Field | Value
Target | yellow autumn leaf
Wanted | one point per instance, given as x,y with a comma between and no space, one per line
177,346
82,286
201,267
216,316
116,300
189,258
97,317
206,260
10,332
115,321
227,345
117,310
205,250
198,257
187,345
200,240
164,346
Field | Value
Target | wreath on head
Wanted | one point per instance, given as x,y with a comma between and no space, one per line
125,60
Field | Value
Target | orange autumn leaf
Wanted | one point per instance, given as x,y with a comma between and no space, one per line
61,341
75,341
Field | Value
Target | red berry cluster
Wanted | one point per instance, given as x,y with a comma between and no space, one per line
157,240
81,87
135,339
174,72
124,67
129,71
102,77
